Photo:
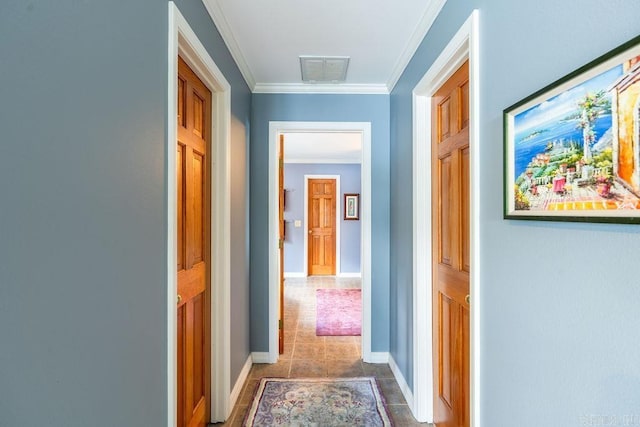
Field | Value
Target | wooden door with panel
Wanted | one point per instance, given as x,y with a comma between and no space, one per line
193,252
451,243
322,227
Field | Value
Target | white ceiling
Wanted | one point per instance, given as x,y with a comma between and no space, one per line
266,38
323,147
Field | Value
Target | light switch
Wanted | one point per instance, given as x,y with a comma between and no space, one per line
297,223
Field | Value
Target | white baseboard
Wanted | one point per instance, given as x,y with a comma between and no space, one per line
404,387
354,275
294,275
237,388
377,357
260,357
301,275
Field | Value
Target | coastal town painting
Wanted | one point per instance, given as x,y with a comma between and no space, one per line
572,150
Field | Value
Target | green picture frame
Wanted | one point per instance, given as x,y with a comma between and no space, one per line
572,149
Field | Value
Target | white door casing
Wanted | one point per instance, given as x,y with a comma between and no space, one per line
183,41
275,129
463,46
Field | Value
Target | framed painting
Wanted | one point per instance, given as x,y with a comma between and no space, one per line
352,206
572,149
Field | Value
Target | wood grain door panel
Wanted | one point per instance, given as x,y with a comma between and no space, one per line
193,251
451,263
465,200
322,227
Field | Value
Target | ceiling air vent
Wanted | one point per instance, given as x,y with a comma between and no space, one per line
317,69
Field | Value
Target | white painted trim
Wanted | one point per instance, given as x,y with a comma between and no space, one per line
350,275
217,15
422,320
402,383
422,28
314,160
464,45
261,357
366,242
302,274
294,275
378,357
244,374
320,88
475,176
306,219
275,129
172,232
183,41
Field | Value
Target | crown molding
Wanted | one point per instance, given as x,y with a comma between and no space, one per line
314,88
223,27
215,12
433,10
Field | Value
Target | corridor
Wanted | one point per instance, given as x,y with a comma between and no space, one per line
307,355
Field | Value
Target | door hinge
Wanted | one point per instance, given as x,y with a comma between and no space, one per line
280,243
280,324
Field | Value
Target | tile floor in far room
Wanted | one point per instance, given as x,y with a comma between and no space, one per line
307,355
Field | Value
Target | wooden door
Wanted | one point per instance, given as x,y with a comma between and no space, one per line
322,227
193,301
450,193
281,242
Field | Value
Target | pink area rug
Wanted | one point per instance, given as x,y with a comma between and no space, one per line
338,312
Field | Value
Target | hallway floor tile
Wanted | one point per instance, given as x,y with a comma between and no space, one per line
307,355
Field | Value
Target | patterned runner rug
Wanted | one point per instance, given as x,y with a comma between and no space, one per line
326,402
338,312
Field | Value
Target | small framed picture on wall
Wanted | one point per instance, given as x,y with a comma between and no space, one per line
352,206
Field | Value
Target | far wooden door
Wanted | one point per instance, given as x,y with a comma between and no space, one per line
451,265
322,227
193,208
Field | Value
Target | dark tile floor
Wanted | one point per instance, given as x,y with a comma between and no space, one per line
307,355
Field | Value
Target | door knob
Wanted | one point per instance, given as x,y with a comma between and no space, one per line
309,231
179,299
467,299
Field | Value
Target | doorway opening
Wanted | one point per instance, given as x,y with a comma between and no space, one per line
462,47
362,131
183,42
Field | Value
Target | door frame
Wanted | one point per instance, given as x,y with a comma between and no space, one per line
184,42
463,46
275,130
306,219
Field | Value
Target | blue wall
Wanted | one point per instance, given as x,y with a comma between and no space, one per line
401,262
559,331
332,108
83,236
294,173
82,172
